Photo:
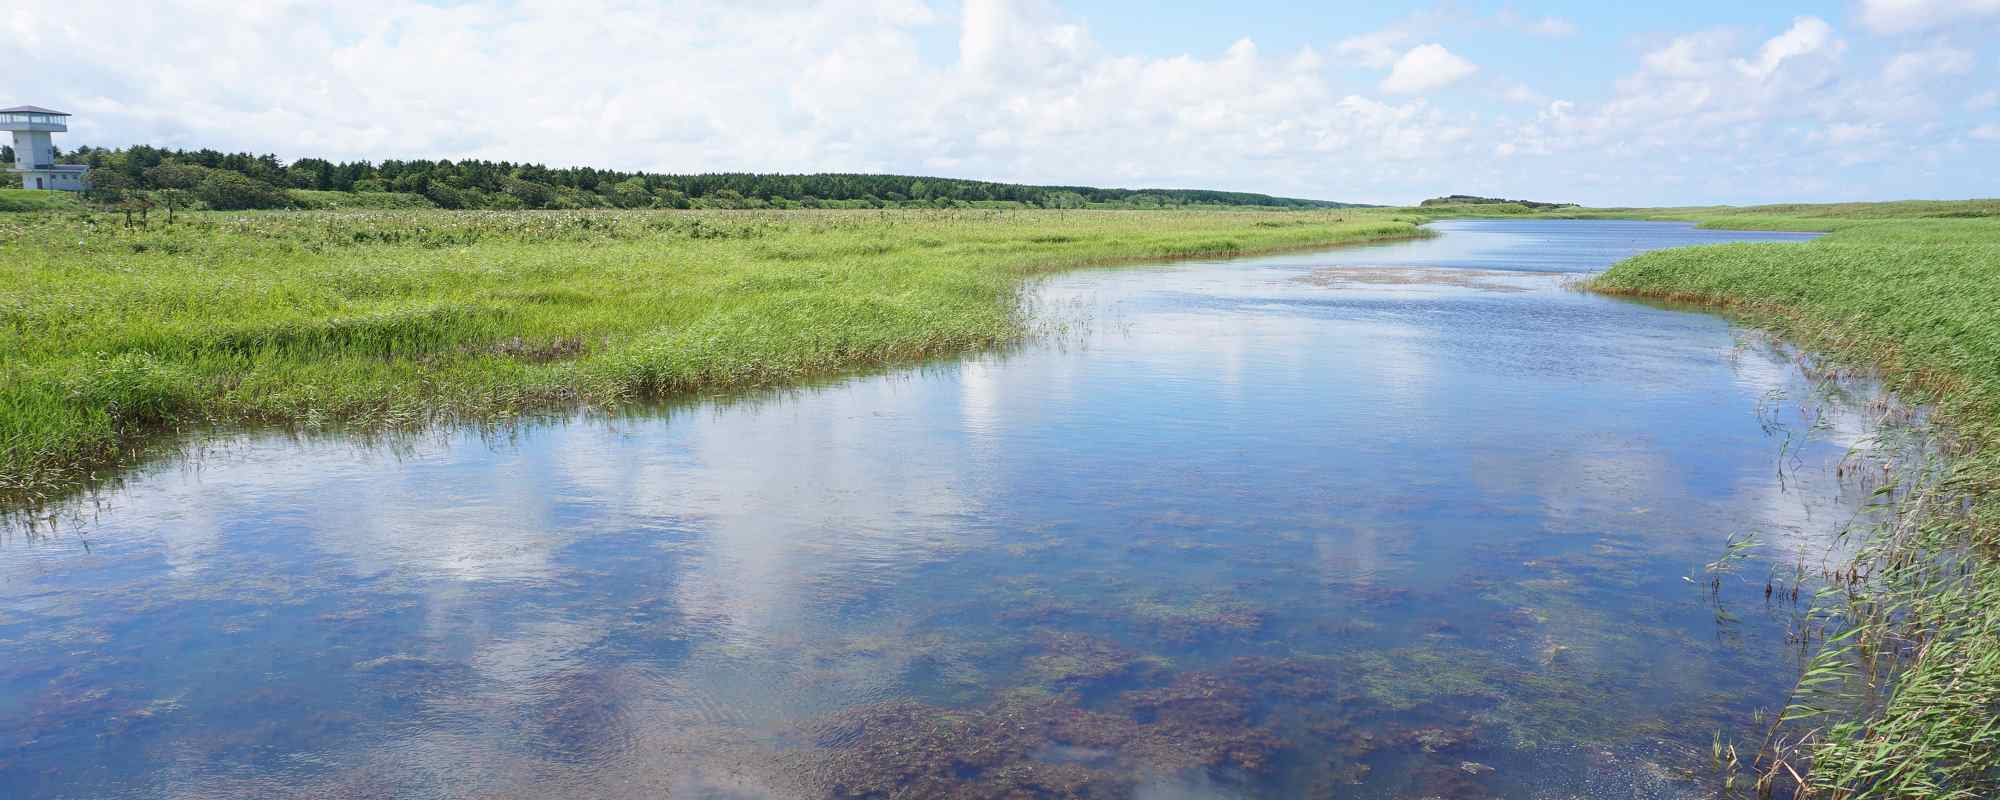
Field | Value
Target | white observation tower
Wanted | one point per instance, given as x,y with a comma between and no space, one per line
35,155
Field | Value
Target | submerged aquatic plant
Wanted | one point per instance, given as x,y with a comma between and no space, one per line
1035,744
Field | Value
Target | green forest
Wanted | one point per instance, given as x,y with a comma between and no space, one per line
233,181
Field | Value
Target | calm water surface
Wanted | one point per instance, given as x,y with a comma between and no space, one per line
1268,527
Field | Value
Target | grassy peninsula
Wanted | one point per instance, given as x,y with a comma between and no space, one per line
114,333
1902,699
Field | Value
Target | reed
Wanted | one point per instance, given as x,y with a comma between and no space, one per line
1900,694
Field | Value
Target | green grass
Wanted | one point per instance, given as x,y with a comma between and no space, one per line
1919,298
380,201
112,334
37,200
1903,701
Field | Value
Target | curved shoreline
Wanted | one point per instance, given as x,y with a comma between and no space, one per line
1916,619
405,320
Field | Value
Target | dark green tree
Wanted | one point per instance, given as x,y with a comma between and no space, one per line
230,191
631,193
530,193
176,183
110,187
727,198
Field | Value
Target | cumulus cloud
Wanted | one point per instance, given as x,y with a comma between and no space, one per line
1382,49
1426,68
1908,16
1988,132
706,85
1709,109
996,89
998,33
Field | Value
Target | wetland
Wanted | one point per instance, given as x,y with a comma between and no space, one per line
1402,520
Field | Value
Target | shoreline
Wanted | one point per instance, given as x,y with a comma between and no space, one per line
1899,695
446,358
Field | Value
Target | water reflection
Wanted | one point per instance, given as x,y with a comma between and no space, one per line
1245,535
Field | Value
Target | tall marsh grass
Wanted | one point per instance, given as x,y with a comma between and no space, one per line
1901,697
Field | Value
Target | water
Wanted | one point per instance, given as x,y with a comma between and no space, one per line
1266,527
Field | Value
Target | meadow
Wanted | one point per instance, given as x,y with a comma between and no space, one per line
1901,697
113,335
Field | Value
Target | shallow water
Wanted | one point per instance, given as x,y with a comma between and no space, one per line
1267,527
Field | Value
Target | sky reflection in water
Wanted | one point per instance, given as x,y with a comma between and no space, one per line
1237,534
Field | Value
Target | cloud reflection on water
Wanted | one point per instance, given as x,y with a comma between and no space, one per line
649,604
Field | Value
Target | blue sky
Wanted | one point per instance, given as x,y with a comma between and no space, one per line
1699,102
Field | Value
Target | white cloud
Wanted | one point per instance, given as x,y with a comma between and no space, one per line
1920,64
1381,49
1988,132
1425,68
1377,50
997,34
996,89
1808,35
1716,110
706,85
1907,16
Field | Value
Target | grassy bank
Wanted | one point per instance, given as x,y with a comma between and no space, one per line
18,200
1903,697
112,334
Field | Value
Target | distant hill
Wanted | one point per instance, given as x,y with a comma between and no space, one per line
1475,200
476,184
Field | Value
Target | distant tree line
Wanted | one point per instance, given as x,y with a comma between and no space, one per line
1475,200
244,181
